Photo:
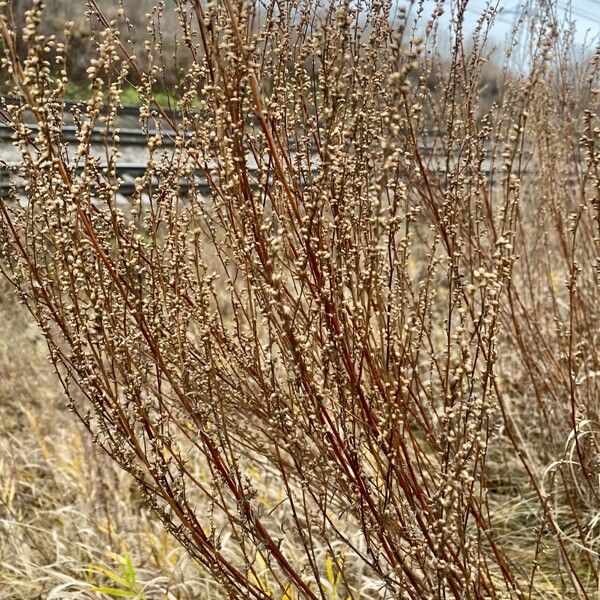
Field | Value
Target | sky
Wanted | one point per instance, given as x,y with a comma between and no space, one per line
584,13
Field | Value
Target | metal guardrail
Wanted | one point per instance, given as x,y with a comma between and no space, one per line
129,136
134,137
126,136
126,172
126,110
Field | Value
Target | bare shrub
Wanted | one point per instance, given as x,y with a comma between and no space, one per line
384,307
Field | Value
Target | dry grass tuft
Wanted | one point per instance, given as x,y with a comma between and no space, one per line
66,512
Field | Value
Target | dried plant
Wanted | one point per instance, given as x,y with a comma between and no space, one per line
375,296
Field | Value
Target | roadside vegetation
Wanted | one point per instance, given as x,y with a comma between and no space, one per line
364,364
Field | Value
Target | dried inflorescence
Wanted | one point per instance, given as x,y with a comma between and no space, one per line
341,309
